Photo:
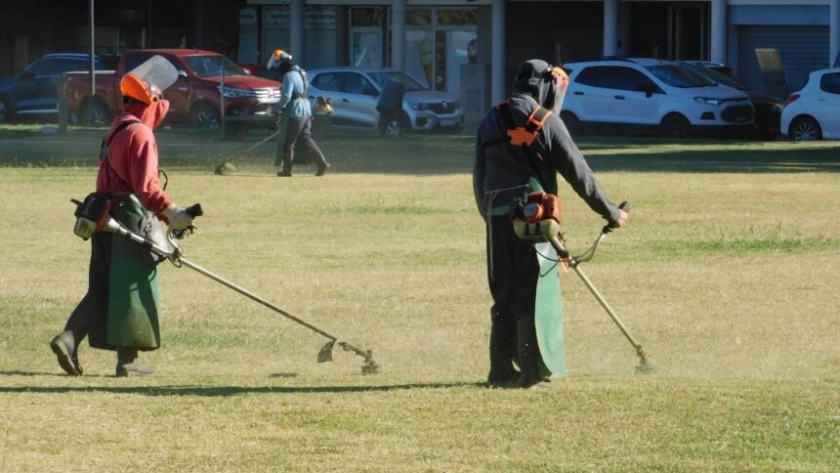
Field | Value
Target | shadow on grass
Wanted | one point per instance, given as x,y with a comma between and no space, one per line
221,391
748,160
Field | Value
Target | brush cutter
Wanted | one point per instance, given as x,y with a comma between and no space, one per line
175,255
529,225
227,165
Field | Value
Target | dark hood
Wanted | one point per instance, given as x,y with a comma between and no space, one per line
534,78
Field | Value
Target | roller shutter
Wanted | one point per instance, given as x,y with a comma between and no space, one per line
802,49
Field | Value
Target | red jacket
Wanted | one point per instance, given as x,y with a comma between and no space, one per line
132,164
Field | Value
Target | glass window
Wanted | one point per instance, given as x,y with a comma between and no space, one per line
356,83
831,83
679,76
366,16
456,17
592,76
418,17
626,78
411,84
326,81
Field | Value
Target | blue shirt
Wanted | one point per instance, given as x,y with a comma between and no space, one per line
293,84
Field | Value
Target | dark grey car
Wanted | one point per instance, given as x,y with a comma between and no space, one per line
34,91
768,110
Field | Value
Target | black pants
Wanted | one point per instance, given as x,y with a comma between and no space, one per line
513,272
301,129
90,317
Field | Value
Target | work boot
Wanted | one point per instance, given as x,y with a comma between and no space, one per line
529,355
502,353
65,352
323,170
129,365
284,174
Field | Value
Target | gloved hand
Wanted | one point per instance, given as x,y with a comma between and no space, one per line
178,219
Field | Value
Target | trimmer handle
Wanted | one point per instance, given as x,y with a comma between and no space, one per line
195,210
625,206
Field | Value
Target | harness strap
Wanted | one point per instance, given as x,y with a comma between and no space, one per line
305,78
523,136
519,135
103,149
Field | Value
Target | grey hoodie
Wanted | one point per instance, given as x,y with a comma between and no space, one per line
502,172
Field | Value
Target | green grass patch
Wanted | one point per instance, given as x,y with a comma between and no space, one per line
726,274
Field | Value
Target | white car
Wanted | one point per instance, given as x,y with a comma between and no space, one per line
354,93
651,96
813,112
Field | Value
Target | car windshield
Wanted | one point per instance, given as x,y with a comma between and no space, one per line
717,76
679,76
411,84
208,66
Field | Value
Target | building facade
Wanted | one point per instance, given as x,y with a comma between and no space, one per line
469,48
435,39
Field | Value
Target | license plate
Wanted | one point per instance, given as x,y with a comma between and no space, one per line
447,123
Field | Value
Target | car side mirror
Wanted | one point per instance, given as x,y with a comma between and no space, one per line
26,76
370,90
182,74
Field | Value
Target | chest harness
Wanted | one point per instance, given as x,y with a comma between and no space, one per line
305,78
103,153
522,136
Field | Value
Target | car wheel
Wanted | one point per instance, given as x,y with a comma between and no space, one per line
396,127
4,112
96,114
805,129
675,126
572,123
204,115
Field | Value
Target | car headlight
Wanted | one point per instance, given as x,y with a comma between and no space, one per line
418,105
231,93
709,101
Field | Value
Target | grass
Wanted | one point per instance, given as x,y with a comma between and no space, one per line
726,274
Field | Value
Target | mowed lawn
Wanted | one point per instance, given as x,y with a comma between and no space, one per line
728,274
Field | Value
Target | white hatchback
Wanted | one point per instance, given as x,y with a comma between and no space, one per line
651,96
355,92
813,112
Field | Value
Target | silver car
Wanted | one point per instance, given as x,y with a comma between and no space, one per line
354,93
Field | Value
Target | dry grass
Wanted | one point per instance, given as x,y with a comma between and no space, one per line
729,279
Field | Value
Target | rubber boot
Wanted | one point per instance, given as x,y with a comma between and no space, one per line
502,354
128,365
529,355
64,348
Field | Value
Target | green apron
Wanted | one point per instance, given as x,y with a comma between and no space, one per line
548,312
548,303
134,293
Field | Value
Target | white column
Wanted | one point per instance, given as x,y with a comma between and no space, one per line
610,27
398,34
719,29
834,31
297,19
497,48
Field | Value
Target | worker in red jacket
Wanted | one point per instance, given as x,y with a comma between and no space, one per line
120,309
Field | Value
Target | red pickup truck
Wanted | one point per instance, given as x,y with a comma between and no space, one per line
207,83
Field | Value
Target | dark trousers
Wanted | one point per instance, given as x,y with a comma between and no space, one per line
90,317
301,129
513,272
91,313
